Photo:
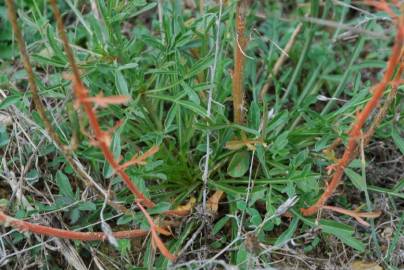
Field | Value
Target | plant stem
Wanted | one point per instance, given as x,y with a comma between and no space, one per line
66,234
344,78
42,112
81,93
239,61
306,47
355,132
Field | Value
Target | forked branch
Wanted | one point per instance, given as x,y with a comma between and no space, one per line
83,98
80,172
355,214
103,138
389,77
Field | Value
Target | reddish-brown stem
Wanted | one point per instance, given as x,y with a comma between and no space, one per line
81,94
41,109
178,213
355,131
153,228
25,226
378,118
102,142
383,110
239,59
356,215
102,138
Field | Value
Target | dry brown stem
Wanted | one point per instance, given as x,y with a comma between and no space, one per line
103,138
281,60
239,61
377,92
64,149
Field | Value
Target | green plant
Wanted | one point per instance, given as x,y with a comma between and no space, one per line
154,103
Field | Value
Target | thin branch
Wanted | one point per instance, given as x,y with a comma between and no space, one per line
250,187
355,131
210,94
25,226
42,112
103,138
377,119
281,60
156,239
386,105
356,215
81,94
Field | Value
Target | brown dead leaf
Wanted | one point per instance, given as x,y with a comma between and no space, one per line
213,202
182,210
102,101
5,119
252,244
188,206
163,231
238,144
360,265
141,159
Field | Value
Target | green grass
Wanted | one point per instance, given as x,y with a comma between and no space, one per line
167,75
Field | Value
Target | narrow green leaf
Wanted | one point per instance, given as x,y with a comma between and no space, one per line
87,206
159,208
239,164
4,138
121,83
192,95
287,235
201,65
63,184
396,191
220,224
53,44
125,219
356,179
350,241
108,171
128,66
79,16
74,215
342,231
330,226
398,140
186,104
396,238
226,188
153,42
47,61
399,186
8,101
242,257
227,126
131,12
